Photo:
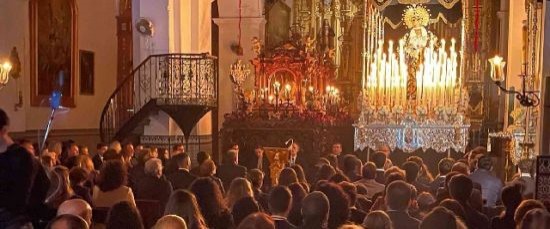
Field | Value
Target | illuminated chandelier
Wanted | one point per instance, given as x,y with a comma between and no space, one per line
413,96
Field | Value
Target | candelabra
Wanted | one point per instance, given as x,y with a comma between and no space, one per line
526,98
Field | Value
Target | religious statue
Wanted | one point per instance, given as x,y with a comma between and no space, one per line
275,169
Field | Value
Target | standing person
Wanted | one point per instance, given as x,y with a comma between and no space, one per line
154,186
490,184
379,160
181,178
230,169
171,164
201,157
98,158
444,167
369,174
280,200
398,200
336,152
259,161
295,156
460,188
17,176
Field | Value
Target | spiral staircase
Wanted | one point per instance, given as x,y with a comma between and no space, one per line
184,86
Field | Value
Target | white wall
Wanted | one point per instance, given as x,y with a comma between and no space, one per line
96,33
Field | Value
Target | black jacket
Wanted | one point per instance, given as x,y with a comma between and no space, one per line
154,188
228,172
403,220
181,179
98,162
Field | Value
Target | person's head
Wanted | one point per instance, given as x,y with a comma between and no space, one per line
351,191
85,162
439,217
425,201
73,150
101,148
325,172
47,161
398,195
460,188
78,176
337,148
62,190
461,167
182,161
124,215
239,188
170,222
113,174
257,221
244,207
338,177
231,156
369,171
77,207
280,199
287,177
184,204
209,196
339,203
28,146
377,220
455,207
68,221
153,167
202,156
525,207
116,146
256,178
83,150
315,210
207,168
395,176
535,219
178,148
128,151
411,171
445,165
511,197
351,165
298,194
259,151
485,162
300,174
379,159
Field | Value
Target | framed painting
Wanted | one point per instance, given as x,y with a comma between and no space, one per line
87,65
53,46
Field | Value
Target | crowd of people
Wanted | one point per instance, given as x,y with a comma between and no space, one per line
127,186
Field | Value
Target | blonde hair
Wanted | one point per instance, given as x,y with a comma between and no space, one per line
115,145
63,190
240,187
377,220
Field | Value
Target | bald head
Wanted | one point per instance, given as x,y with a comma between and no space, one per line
170,222
77,207
68,222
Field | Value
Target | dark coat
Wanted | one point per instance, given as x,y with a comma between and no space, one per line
181,179
252,163
228,172
283,224
403,220
154,188
98,162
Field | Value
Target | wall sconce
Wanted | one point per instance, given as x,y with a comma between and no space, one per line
5,74
525,97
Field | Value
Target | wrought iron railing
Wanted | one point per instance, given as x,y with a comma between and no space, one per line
165,79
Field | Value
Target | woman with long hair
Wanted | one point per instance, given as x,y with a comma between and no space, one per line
212,205
240,187
62,190
111,186
184,204
124,215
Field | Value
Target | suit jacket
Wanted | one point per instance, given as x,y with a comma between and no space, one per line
153,188
282,223
403,220
380,177
228,172
181,179
490,185
299,160
98,162
357,216
438,182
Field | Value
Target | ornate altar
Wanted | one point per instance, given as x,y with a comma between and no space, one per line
413,95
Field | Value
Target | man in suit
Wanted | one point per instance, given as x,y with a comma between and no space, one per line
336,152
98,158
280,200
369,174
294,156
181,178
398,198
490,184
201,157
259,161
230,169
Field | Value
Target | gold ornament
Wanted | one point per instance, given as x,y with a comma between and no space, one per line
416,16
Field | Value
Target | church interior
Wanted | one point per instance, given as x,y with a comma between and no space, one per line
428,79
